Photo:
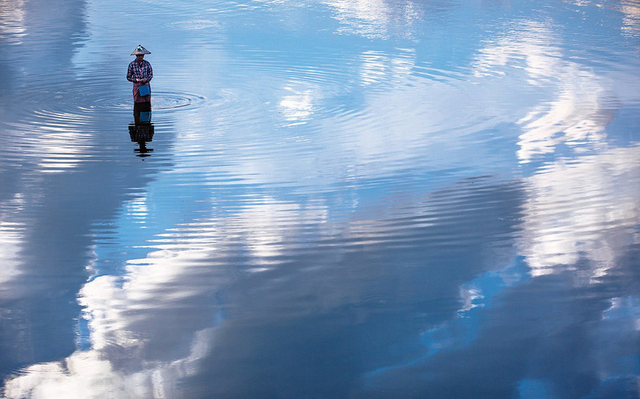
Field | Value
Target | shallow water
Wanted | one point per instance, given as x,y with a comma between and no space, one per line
345,199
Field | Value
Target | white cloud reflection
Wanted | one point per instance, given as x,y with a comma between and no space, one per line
119,314
368,18
296,108
375,18
90,374
12,21
379,67
572,213
578,114
582,210
137,313
56,141
631,20
11,242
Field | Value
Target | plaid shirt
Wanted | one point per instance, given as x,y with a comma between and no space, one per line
139,71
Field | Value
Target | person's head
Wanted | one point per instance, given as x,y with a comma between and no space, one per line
139,57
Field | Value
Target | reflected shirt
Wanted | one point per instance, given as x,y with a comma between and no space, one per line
139,71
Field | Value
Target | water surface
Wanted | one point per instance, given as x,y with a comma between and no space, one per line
345,199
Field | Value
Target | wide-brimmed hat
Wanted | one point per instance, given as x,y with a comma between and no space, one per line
140,50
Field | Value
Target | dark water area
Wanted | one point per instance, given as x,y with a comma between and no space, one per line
336,199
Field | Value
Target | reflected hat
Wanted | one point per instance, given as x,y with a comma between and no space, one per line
140,50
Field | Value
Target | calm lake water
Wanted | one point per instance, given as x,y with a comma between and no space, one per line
345,199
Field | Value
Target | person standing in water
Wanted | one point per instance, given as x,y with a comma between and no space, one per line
140,73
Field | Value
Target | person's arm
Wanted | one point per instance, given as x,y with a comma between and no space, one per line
130,76
150,74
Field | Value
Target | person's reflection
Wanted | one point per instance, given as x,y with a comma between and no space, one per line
141,131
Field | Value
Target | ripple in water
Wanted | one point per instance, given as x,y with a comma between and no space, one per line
78,104
167,101
160,101
196,24
57,130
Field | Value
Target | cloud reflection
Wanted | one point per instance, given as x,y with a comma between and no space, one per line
92,374
631,20
118,312
582,106
11,240
12,21
582,210
297,107
375,18
134,320
378,67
